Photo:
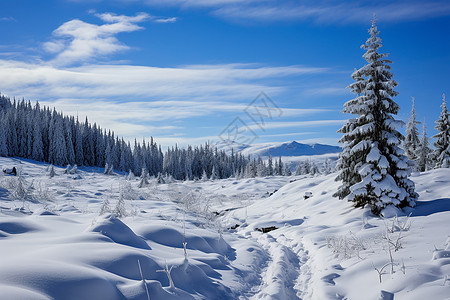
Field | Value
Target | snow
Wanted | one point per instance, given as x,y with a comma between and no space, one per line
56,245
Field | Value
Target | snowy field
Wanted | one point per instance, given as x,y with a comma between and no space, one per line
261,238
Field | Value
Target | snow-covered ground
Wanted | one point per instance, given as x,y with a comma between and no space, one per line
56,245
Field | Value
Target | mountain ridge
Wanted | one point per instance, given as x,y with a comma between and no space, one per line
293,148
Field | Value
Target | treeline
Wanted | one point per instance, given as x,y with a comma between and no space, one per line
42,134
417,147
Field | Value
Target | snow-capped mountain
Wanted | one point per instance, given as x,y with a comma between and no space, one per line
282,149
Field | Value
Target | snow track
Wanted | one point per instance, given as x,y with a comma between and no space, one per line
279,277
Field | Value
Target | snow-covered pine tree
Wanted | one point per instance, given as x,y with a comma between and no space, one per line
3,145
424,151
412,142
373,169
111,170
143,181
327,169
160,178
314,169
105,208
204,175
74,170
38,145
299,169
280,168
270,166
261,169
303,168
120,210
58,144
442,152
52,172
123,163
106,170
286,170
67,169
214,173
29,130
69,141
87,142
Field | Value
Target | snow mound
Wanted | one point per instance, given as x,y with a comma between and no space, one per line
57,280
172,236
15,226
117,231
16,292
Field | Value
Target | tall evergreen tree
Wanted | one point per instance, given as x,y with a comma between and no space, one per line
442,152
280,170
270,166
424,151
79,154
3,145
87,142
373,169
59,144
69,141
412,141
38,145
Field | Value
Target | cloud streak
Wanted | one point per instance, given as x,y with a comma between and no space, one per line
321,11
166,20
335,11
208,82
8,19
298,124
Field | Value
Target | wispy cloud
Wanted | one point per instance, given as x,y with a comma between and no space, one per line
322,11
207,82
321,91
287,134
166,20
195,3
78,41
8,19
298,124
336,11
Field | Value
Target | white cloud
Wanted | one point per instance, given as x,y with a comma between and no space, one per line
77,41
208,82
299,124
166,20
122,19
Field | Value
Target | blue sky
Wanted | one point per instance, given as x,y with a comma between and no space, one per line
184,70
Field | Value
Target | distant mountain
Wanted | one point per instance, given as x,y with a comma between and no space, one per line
283,149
